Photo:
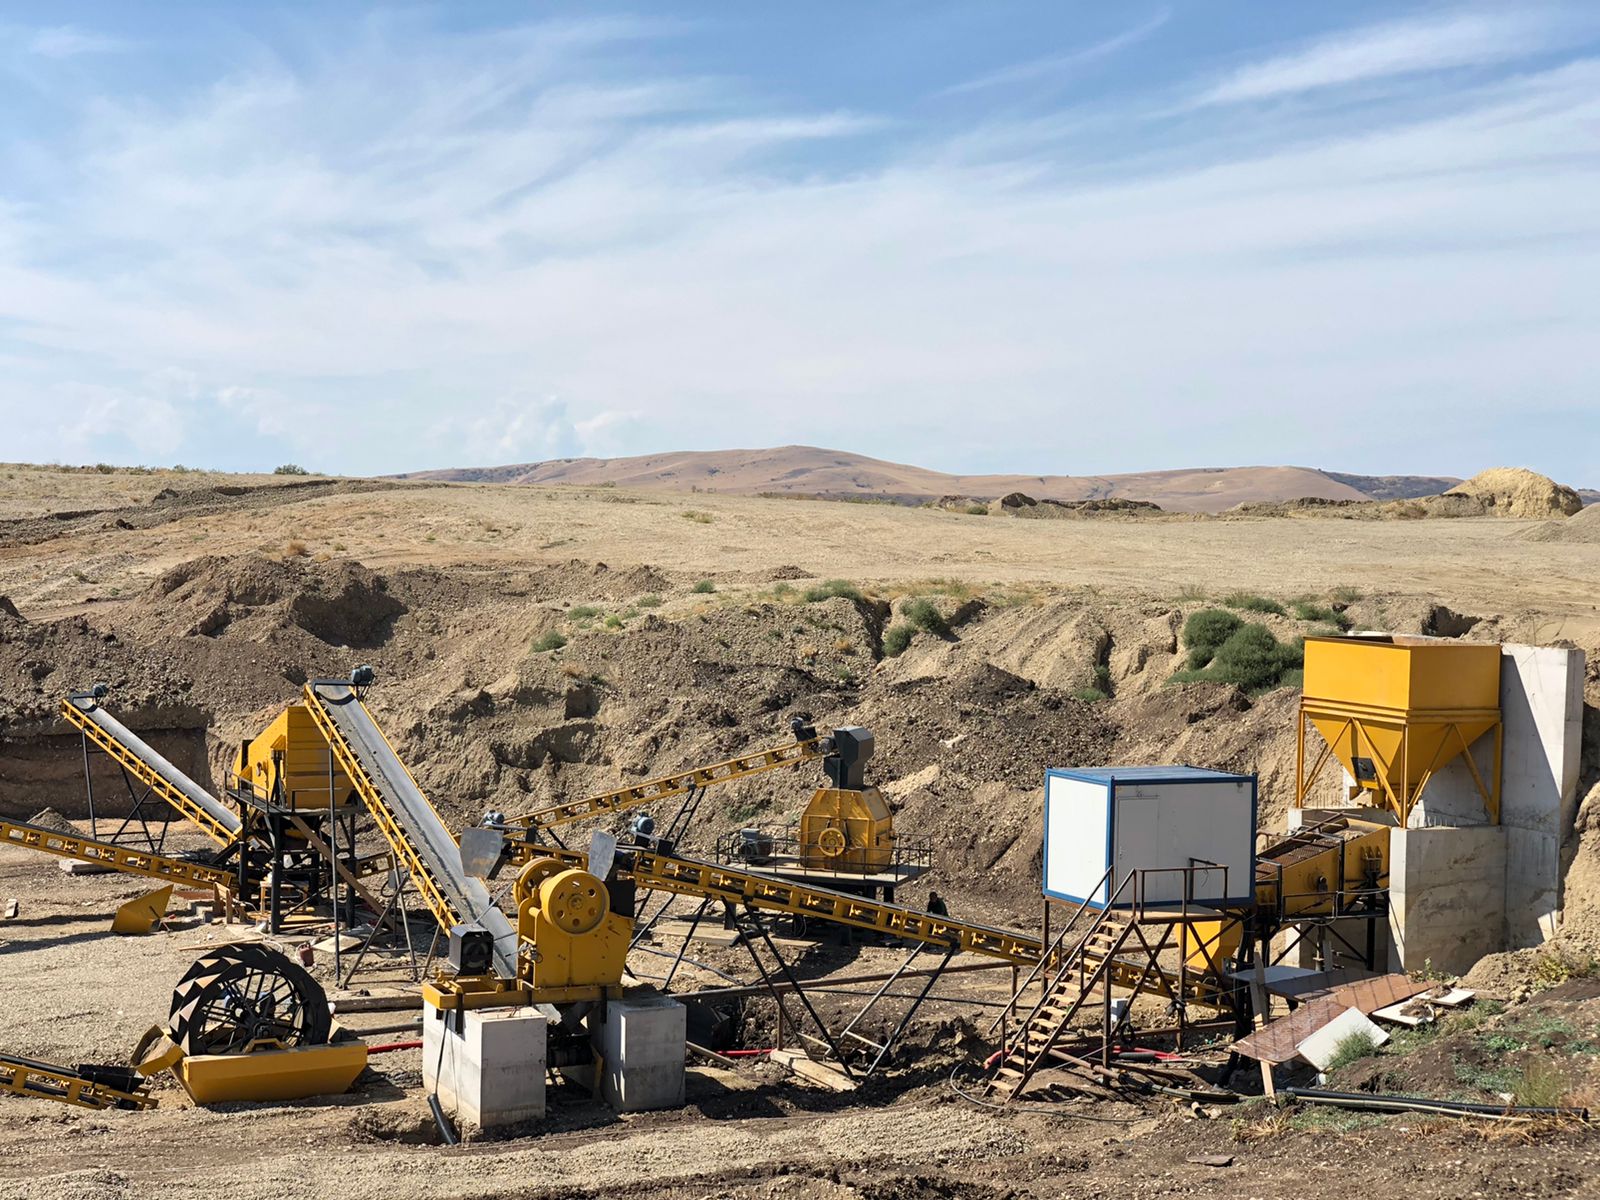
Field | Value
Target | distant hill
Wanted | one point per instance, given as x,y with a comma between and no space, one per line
837,474
1396,487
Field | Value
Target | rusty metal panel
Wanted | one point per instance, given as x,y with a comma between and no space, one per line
1275,1043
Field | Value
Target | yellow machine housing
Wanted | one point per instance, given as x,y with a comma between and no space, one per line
573,946
272,1073
1395,711
846,830
1323,870
287,764
847,827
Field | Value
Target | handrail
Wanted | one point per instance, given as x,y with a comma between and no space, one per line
1048,952
1076,958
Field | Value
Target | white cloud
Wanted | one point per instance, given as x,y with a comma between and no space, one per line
1055,66
66,41
1399,48
437,253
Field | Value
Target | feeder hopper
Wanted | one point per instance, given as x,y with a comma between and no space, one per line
1395,711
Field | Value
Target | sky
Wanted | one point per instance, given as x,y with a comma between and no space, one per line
1060,237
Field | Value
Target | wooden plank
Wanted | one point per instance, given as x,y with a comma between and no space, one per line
808,1068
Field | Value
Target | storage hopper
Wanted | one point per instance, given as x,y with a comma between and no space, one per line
1395,711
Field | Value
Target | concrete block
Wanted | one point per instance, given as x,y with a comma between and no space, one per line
1541,700
1541,707
1446,896
640,1044
488,1065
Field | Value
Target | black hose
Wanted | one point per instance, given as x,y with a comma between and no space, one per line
446,1130
1364,1100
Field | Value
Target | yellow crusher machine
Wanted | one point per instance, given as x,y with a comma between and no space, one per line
845,828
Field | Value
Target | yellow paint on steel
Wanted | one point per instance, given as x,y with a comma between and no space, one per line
669,786
377,806
43,1081
142,771
263,1076
1397,710
287,763
139,915
118,858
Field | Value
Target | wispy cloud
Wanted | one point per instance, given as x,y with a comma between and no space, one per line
67,41
1058,65
419,251
1399,48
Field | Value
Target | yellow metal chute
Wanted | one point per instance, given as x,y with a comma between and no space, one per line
1395,711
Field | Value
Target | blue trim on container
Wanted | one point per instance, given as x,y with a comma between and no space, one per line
1110,777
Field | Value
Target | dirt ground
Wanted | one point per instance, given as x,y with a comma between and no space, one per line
686,634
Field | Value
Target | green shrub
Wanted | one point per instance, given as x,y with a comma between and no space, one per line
583,612
830,588
703,587
286,469
1205,631
1249,657
896,638
977,510
1253,658
1251,603
698,517
1351,1048
613,622
924,614
651,601
553,640
1089,694
1309,610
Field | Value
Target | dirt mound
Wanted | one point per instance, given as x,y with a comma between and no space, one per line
1019,504
579,580
1582,528
1518,492
49,818
343,603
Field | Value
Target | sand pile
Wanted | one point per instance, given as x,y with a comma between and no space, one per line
1583,529
1518,492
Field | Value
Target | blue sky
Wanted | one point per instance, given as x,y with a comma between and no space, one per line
1061,237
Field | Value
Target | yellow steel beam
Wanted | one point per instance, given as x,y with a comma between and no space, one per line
378,806
42,1081
142,771
118,858
669,786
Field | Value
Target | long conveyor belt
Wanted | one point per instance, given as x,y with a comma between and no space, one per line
84,1087
668,786
141,760
405,818
690,877
118,858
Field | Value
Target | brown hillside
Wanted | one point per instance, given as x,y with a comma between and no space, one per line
810,471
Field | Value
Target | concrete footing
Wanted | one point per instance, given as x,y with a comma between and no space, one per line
488,1065
640,1045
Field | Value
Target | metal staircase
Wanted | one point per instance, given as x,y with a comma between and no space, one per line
1120,949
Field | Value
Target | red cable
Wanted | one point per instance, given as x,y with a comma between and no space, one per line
385,1047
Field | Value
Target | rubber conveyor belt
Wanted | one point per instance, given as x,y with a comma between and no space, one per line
406,819
137,756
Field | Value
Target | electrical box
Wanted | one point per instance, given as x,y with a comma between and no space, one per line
1180,829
